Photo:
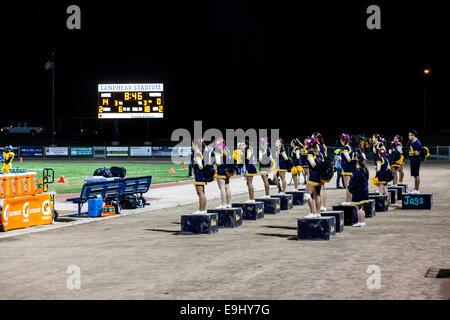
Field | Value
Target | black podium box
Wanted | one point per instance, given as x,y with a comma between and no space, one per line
350,214
404,186
250,210
298,197
399,191
271,205
339,215
369,208
286,201
421,201
381,202
199,223
229,217
392,195
323,228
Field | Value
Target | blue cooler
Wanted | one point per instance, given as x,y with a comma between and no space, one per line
94,207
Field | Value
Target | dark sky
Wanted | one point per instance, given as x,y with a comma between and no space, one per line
293,65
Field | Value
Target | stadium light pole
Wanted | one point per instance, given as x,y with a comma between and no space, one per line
426,77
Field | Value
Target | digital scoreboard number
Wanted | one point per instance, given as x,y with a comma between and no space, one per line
130,101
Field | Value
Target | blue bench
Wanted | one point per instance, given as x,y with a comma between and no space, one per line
112,191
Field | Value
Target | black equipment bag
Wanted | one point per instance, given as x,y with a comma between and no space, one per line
103,172
132,201
120,172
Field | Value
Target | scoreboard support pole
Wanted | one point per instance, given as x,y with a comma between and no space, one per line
115,130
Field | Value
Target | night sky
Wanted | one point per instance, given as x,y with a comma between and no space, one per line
295,65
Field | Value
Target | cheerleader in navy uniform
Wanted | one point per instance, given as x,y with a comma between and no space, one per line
377,145
314,185
348,164
199,177
282,167
250,170
398,174
266,164
304,160
223,157
381,167
359,189
296,165
322,148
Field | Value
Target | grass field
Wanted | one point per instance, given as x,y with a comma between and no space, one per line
75,172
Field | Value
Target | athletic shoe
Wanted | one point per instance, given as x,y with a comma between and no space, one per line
323,209
317,215
197,212
281,193
265,196
311,215
250,201
356,224
228,206
221,207
363,224
345,203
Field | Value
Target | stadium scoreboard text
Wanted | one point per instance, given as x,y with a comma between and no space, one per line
130,101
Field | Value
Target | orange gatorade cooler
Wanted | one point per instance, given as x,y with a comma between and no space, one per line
31,178
19,185
8,185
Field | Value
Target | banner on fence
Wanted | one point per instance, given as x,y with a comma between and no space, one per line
81,152
57,151
184,151
99,152
140,151
31,152
162,151
117,151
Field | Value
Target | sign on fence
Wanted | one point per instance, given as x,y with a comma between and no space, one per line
81,151
140,151
31,152
162,151
57,151
117,151
99,152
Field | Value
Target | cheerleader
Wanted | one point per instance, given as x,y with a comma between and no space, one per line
223,159
303,158
282,167
382,166
265,164
376,146
250,169
199,177
359,189
314,185
296,167
322,148
398,173
348,165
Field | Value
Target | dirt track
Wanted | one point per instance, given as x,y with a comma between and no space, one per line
143,256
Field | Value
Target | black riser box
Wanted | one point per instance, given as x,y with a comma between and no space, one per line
421,201
339,216
271,205
298,197
199,223
251,211
229,217
286,201
316,228
350,214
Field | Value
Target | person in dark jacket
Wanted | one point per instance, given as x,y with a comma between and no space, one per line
359,189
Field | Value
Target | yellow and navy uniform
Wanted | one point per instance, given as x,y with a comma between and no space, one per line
414,160
296,163
199,164
303,157
221,156
382,166
250,169
395,151
7,161
321,149
282,160
348,163
314,158
265,160
375,148
358,187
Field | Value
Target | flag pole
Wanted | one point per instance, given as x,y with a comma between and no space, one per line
53,99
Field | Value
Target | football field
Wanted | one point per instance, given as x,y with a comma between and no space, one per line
76,171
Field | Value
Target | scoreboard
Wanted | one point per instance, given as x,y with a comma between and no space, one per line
130,101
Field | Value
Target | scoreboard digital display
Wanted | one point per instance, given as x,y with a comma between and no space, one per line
130,101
